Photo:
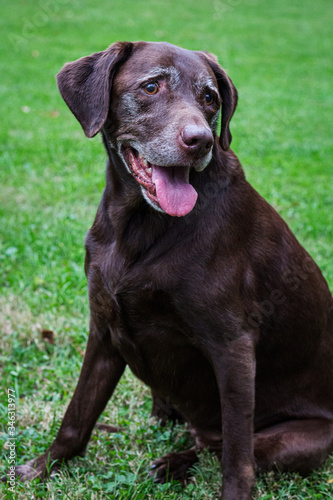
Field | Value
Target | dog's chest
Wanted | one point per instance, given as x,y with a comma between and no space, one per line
154,338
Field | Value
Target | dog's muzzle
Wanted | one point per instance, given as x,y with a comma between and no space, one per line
167,188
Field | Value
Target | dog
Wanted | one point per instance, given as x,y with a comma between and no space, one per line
195,282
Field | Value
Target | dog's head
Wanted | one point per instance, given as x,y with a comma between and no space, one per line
158,106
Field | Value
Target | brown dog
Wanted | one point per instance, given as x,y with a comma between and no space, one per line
194,280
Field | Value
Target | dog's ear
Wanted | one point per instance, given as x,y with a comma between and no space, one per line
229,98
85,85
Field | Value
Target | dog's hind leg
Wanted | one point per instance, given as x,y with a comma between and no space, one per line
165,411
173,466
295,445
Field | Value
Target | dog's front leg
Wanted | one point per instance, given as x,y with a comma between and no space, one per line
234,366
100,373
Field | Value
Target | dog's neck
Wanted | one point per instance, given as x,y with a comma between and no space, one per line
136,225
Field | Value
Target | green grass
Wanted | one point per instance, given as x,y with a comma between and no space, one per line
278,54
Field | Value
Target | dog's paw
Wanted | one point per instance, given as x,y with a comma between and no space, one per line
173,466
35,468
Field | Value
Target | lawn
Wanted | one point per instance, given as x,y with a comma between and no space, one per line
279,55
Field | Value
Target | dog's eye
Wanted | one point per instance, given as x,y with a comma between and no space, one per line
151,88
209,98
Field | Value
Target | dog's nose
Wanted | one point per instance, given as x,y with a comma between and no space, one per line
196,139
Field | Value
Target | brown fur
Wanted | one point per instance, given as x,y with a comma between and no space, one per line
221,312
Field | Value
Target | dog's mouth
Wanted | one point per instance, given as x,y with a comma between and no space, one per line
167,188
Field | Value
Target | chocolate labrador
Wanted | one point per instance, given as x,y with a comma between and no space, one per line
195,282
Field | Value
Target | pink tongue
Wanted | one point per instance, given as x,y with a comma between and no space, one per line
175,194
